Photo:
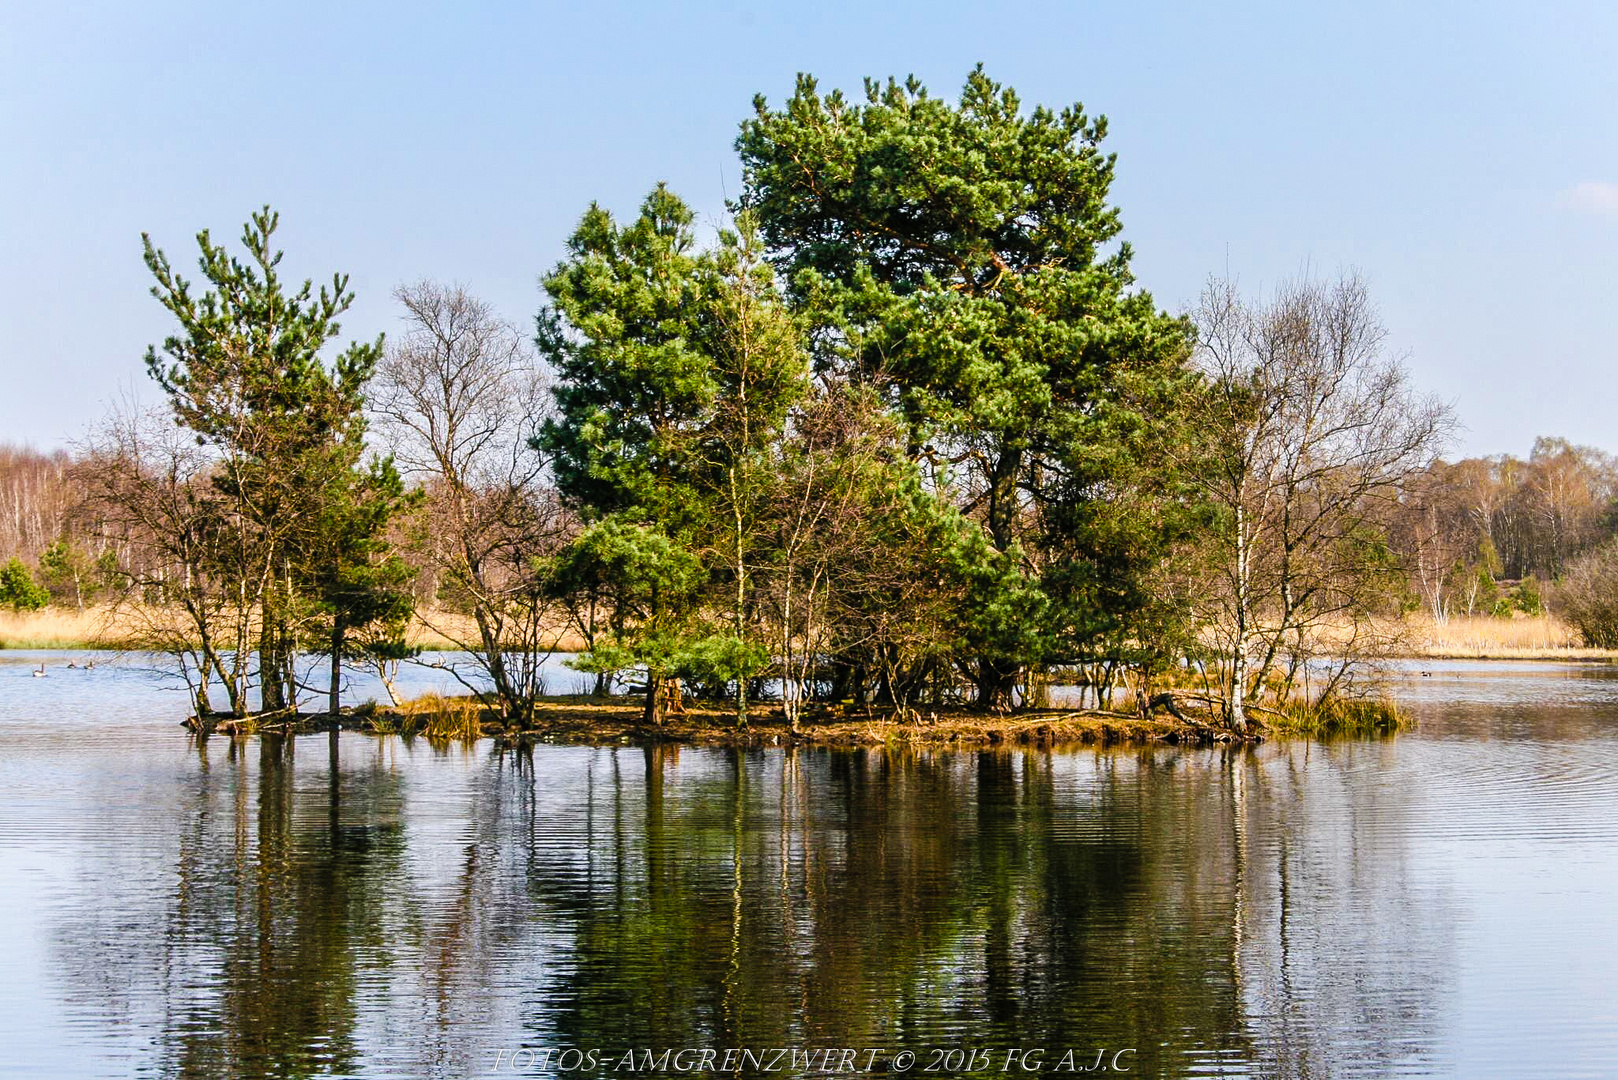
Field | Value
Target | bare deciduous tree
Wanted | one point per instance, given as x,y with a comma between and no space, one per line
35,501
458,397
1588,595
1314,433
148,487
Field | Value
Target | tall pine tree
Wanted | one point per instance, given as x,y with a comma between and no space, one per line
965,255
677,368
634,392
245,374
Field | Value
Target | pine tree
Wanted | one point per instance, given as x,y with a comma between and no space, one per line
762,371
677,370
356,580
965,256
18,589
67,570
244,373
635,390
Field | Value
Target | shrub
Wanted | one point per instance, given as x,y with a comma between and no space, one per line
1588,596
19,590
1528,599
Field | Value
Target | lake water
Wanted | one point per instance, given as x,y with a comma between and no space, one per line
1440,904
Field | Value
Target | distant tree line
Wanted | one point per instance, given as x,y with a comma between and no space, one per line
47,554
1498,535
905,431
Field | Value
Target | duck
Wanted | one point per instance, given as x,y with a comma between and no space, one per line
71,665
89,664
40,674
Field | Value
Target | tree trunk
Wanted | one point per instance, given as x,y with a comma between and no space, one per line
204,705
1238,658
996,678
996,681
494,648
741,595
271,697
652,716
388,672
335,691
790,688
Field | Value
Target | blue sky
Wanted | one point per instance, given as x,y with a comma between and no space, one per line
1464,158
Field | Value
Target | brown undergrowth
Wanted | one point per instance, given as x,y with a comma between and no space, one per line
583,722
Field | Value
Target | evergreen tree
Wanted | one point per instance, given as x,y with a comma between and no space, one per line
18,589
762,372
67,570
635,391
244,373
677,371
966,256
354,577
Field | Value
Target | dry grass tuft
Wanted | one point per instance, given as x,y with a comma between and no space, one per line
1340,718
436,716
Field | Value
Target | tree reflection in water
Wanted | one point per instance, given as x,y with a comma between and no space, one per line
419,907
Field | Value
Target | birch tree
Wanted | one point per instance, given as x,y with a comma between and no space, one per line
1313,432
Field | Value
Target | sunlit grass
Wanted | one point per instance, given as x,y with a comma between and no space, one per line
436,716
1480,637
54,628
443,630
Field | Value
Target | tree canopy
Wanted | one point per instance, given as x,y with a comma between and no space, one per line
963,257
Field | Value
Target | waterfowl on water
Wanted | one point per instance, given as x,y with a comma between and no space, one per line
40,674
89,664
71,665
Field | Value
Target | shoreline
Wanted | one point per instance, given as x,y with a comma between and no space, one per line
1560,656
618,723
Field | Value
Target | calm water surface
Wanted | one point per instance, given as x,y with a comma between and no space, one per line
1441,904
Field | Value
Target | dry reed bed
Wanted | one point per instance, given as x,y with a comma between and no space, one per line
442,630
56,628
108,628
1483,638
